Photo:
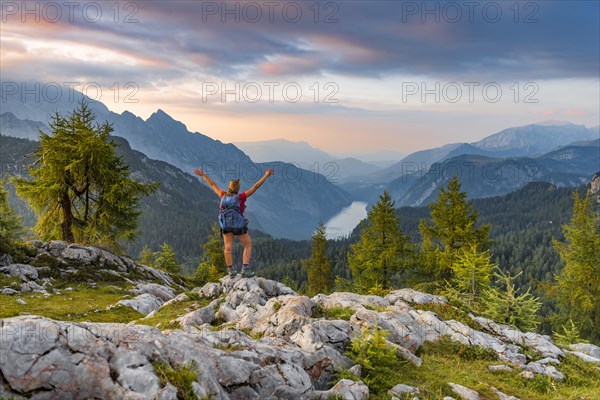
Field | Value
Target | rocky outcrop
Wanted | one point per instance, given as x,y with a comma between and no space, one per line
57,259
256,338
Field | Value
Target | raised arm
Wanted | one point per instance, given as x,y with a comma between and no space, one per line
258,184
212,184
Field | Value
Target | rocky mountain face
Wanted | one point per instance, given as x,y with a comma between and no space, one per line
255,338
525,141
535,139
483,176
163,138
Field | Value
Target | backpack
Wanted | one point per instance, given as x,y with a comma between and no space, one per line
230,216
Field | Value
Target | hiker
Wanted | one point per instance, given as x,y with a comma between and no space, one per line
232,220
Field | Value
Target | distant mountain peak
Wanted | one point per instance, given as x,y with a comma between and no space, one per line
159,117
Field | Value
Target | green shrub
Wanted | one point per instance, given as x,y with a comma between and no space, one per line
377,358
468,353
344,313
181,377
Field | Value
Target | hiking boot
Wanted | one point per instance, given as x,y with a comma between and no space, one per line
232,272
248,272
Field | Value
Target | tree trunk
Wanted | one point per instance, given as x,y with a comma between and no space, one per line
67,222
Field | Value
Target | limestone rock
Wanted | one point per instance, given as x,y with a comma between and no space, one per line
503,396
544,369
540,343
401,390
22,271
315,335
163,292
144,303
583,356
346,389
350,300
464,392
210,290
414,297
356,370
5,259
586,348
284,315
205,315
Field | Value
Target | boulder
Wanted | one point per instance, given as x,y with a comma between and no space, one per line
205,315
163,292
586,348
144,303
401,390
544,369
503,396
284,316
210,290
464,392
345,389
314,335
22,271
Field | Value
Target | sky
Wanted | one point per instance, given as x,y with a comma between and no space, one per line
349,77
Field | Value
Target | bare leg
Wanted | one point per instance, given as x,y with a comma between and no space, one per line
228,245
247,243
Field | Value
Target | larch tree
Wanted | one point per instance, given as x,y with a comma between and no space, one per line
212,265
383,249
577,288
453,229
504,304
165,259
10,224
80,188
318,266
472,273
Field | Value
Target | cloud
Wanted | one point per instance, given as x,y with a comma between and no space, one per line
368,39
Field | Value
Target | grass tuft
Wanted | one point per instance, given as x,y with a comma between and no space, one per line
181,377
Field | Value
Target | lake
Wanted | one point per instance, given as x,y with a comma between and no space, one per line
346,220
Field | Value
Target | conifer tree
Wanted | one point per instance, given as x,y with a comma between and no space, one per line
578,284
165,259
507,306
81,190
472,273
212,265
147,257
10,224
318,266
453,228
382,250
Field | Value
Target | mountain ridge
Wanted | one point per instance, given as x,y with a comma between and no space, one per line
161,137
